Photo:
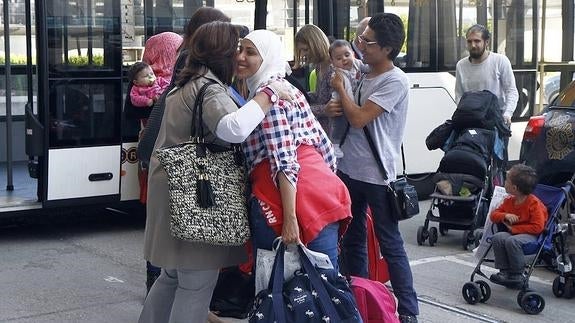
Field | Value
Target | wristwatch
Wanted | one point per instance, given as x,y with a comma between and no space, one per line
273,96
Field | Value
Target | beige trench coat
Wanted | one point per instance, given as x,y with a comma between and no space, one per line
160,248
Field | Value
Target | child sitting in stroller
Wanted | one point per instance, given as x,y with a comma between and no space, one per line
520,219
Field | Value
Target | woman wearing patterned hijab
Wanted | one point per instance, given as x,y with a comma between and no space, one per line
290,160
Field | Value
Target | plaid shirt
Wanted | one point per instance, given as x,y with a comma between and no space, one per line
285,127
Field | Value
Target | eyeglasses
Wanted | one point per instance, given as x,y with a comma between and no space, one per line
363,40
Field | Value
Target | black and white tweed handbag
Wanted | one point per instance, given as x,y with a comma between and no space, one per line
207,185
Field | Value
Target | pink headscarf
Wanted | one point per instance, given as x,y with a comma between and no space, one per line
161,52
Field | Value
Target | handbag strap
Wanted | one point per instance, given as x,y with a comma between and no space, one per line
374,152
377,159
276,282
198,110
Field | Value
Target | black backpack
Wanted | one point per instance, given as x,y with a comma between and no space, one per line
438,136
476,109
477,140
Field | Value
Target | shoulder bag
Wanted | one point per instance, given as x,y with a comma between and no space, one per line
402,195
207,185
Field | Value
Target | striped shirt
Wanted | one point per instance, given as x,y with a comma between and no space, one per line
285,127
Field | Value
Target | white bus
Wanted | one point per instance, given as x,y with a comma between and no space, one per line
67,142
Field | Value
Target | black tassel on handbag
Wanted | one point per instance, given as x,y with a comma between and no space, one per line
204,190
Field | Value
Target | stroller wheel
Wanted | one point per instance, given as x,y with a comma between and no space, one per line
558,287
432,236
520,295
485,290
471,293
442,229
568,287
532,303
422,235
468,239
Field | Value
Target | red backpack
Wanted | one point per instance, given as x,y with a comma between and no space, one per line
377,267
376,304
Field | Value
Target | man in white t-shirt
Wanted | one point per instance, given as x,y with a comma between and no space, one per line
486,70
379,105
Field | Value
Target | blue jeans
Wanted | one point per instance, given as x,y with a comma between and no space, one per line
354,246
263,235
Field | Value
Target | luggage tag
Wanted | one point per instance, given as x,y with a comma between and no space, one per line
318,259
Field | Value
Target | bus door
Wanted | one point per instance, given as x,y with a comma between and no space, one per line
79,101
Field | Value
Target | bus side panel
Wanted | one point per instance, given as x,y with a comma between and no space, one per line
130,187
83,172
431,102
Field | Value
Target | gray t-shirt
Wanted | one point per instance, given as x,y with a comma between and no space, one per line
390,92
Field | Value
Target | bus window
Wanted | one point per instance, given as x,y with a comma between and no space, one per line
84,73
83,114
82,38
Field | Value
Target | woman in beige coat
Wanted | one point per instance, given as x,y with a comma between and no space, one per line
183,291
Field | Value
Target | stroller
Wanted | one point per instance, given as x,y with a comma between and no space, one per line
563,240
464,182
473,161
478,291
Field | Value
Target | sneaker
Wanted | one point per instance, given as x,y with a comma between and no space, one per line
514,281
408,318
499,278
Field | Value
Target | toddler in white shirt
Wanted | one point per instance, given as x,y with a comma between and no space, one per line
343,60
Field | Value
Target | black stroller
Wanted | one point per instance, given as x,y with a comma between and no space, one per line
464,182
474,161
557,200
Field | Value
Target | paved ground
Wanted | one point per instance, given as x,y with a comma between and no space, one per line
89,269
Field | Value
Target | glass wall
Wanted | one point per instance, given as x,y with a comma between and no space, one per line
285,20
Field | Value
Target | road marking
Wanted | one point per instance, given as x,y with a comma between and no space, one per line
460,311
433,259
113,279
456,259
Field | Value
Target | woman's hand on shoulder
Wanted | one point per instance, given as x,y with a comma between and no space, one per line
283,89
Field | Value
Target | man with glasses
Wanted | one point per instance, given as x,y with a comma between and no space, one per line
380,106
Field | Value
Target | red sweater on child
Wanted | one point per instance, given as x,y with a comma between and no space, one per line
532,214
